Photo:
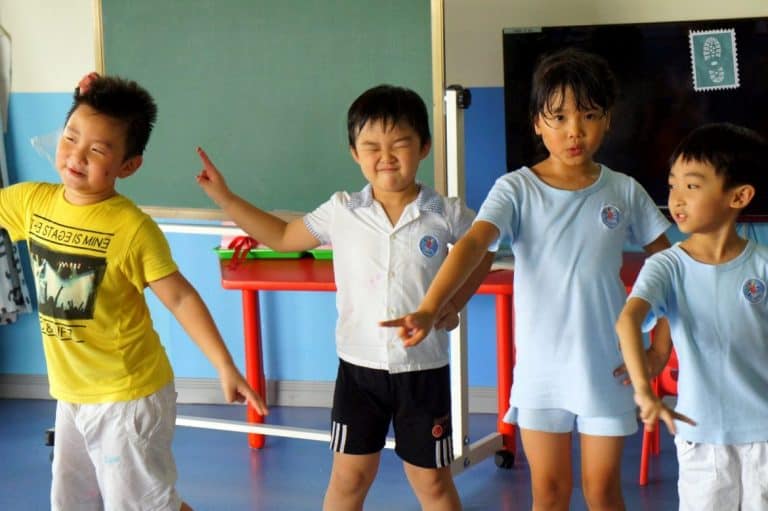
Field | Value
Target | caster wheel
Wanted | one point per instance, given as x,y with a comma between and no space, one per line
504,459
49,436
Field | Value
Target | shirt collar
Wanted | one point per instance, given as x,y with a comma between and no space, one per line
427,200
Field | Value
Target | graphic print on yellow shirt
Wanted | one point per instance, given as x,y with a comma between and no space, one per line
66,284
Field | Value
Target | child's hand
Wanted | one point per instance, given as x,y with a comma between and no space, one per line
448,318
413,328
236,388
85,83
656,363
211,180
652,410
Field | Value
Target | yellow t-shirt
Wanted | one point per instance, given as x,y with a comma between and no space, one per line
91,265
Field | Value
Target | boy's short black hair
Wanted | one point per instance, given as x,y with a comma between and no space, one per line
390,105
125,101
588,75
735,152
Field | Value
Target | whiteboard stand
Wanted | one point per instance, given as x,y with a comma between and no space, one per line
458,99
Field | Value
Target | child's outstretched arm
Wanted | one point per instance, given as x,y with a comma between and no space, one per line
657,354
178,295
461,263
631,342
270,230
448,317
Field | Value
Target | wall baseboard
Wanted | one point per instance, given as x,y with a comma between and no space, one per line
208,391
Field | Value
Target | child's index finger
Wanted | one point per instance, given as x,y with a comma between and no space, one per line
204,157
683,418
393,322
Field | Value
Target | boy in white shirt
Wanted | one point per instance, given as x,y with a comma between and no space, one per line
388,242
712,288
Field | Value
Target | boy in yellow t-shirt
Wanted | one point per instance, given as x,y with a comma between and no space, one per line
93,254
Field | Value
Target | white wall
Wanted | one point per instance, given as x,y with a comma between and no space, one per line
53,43
473,28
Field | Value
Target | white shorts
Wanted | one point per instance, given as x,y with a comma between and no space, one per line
557,420
116,456
719,477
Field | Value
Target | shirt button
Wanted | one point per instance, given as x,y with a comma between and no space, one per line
392,274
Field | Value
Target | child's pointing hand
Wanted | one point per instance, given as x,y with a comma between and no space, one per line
413,328
211,180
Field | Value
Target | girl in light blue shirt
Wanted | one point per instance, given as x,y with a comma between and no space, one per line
567,219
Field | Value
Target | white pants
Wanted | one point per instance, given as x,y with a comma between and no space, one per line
722,477
116,456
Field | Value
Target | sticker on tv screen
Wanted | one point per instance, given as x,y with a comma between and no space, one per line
714,60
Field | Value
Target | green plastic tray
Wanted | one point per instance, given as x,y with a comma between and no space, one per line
322,253
258,253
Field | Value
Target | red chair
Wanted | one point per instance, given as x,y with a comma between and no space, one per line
665,384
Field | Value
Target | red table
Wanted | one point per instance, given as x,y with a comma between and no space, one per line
308,274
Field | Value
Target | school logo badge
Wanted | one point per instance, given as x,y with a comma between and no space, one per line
753,290
610,215
429,245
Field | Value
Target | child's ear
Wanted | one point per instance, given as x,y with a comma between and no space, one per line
353,152
425,149
131,165
741,196
608,120
536,121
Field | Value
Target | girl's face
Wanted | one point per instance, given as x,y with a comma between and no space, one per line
571,136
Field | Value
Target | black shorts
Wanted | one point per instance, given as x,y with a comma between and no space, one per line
418,403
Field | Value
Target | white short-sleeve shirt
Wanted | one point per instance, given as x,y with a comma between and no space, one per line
718,316
383,271
568,247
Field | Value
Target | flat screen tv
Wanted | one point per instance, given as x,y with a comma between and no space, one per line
672,77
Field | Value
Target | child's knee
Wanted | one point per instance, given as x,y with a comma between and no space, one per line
552,494
351,480
431,483
603,494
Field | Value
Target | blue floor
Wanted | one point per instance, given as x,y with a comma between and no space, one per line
217,470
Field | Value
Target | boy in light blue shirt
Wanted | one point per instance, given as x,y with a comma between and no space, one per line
712,288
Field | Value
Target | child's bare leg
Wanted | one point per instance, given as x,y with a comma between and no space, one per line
549,457
601,472
433,487
351,477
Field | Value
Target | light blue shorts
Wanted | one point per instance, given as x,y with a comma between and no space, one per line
557,420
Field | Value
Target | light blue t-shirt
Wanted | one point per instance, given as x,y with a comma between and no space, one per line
718,314
568,248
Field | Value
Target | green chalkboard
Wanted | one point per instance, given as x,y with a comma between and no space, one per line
264,87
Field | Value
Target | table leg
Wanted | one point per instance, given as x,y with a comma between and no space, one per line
254,368
505,361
